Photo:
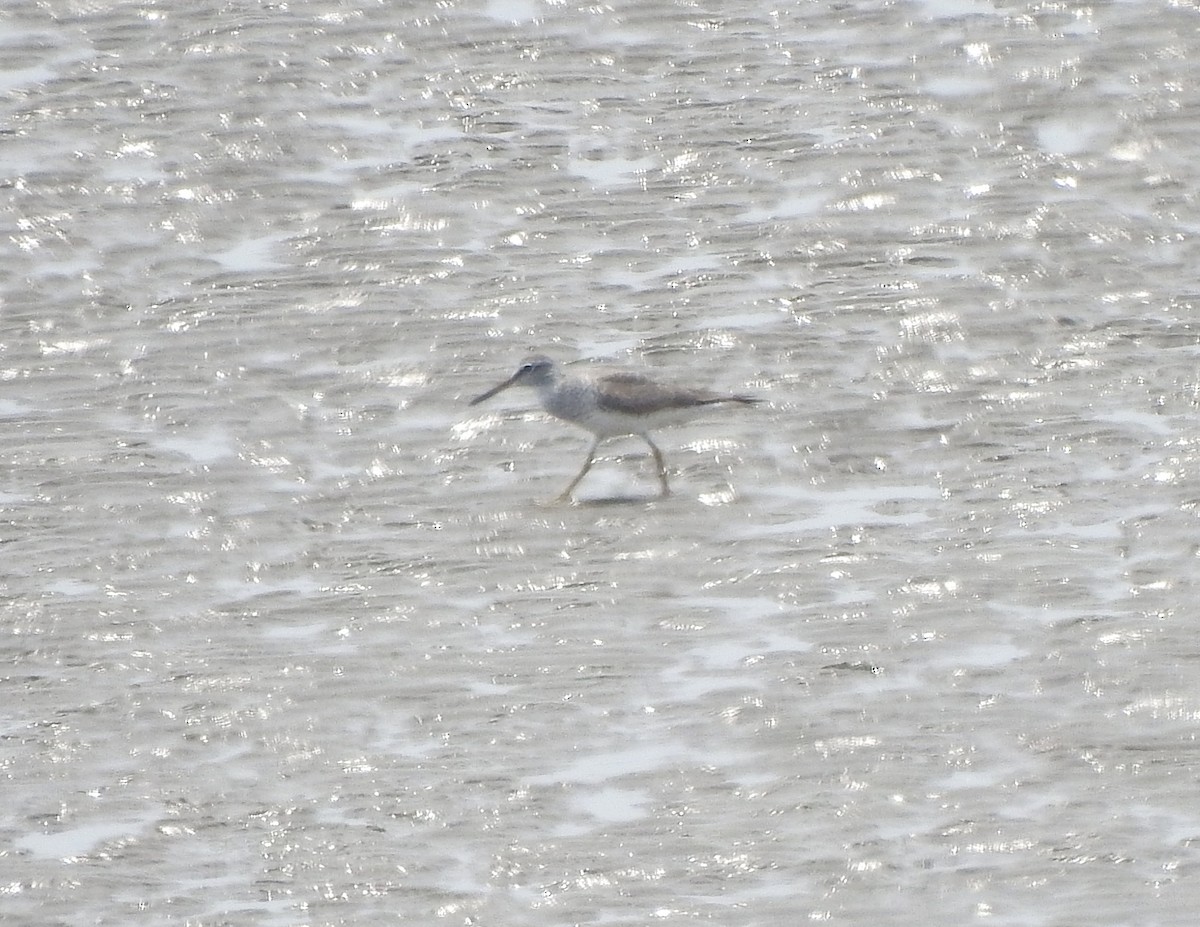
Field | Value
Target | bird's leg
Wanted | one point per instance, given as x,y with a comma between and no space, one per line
587,465
662,466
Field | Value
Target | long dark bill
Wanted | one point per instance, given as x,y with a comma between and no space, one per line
494,390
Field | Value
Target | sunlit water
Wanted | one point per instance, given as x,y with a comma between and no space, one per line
290,634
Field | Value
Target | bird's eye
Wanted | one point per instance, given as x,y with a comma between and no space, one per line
525,368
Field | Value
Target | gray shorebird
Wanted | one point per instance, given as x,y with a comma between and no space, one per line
611,406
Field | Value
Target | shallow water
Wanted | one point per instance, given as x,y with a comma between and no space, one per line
292,636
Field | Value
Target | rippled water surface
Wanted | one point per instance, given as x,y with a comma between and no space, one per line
291,634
